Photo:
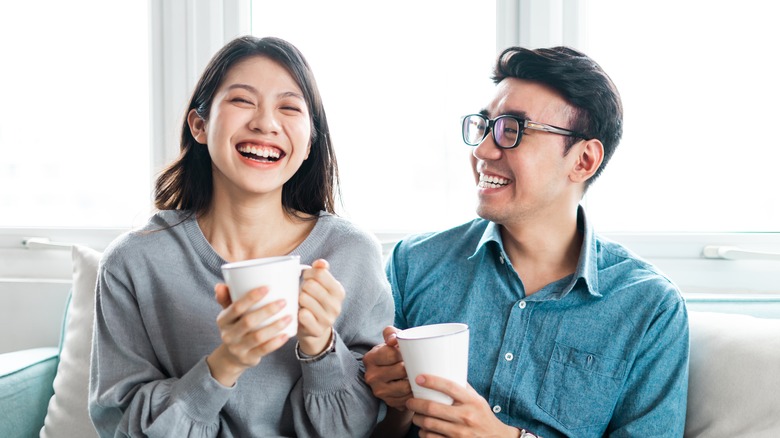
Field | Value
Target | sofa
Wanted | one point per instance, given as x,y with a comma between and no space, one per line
734,387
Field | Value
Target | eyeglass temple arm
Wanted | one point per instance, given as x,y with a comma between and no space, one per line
553,129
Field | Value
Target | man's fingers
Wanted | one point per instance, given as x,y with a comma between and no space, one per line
452,389
389,334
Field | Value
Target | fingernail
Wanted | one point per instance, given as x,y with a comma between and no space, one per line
420,380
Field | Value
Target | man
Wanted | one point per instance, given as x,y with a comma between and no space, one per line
571,334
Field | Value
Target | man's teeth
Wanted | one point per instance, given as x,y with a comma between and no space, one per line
259,151
491,182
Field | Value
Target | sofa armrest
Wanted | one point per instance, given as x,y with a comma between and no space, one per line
26,379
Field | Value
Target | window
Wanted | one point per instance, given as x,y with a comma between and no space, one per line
395,77
694,168
74,124
699,85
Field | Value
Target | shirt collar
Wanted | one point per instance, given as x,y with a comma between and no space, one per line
492,233
587,265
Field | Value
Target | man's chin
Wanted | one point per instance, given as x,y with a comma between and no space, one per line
487,213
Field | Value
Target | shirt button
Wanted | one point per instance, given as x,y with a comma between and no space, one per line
496,409
509,356
521,305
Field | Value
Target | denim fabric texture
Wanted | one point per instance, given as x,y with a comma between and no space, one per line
601,352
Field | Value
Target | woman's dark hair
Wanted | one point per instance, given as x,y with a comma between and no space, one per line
581,81
187,183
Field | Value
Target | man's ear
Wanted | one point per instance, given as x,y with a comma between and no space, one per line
590,155
197,126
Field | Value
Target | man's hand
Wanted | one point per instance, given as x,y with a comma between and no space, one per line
469,416
385,372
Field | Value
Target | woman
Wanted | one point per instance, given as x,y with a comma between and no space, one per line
256,177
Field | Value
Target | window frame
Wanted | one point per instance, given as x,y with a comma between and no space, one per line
186,33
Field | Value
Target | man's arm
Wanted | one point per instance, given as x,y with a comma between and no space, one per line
386,375
655,398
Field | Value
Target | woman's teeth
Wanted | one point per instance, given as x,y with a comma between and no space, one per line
259,153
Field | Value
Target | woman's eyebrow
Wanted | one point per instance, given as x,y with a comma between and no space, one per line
252,89
291,94
243,86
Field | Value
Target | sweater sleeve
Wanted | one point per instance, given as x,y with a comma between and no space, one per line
130,393
332,398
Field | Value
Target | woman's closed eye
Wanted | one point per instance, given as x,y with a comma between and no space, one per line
291,108
243,100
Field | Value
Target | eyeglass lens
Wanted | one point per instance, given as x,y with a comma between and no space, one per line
505,130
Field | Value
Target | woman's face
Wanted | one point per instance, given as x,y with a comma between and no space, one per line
258,131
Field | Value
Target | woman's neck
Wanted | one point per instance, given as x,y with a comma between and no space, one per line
249,230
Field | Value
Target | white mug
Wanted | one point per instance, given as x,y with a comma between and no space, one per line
282,276
438,349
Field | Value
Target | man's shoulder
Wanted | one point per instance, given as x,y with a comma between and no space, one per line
627,268
464,237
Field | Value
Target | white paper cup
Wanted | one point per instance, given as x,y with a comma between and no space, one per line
281,275
438,349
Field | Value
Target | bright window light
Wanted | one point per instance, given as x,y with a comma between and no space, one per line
74,123
395,77
699,81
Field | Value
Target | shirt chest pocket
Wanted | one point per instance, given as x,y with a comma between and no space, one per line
580,388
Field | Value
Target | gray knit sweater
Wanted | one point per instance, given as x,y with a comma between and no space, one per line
155,322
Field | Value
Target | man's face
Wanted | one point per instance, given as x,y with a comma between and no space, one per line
531,180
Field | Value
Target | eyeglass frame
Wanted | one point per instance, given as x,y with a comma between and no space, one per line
523,122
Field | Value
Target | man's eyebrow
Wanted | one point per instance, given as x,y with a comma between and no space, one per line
520,114
252,89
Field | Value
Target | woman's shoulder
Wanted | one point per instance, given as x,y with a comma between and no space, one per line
337,227
335,237
146,239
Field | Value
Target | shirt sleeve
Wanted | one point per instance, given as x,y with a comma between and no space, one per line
655,398
130,395
393,270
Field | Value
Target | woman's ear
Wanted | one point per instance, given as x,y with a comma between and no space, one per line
197,126
590,155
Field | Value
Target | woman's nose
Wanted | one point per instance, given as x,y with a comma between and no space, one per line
265,121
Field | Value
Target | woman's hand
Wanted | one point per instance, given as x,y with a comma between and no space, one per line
320,304
243,343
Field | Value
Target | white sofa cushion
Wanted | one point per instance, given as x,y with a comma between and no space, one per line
67,414
734,384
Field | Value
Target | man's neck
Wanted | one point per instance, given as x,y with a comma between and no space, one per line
543,250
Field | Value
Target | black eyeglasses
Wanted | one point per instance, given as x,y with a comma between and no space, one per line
507,130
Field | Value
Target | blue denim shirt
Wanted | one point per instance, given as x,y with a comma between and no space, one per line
601,352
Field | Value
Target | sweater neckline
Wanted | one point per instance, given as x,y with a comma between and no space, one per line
214,261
